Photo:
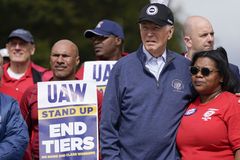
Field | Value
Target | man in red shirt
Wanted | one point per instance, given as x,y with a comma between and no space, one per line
64,60
21,72
5,89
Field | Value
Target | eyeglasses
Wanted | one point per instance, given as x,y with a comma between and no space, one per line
204,71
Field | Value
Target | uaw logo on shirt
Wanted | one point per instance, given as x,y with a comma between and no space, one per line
177,85
152,10
208,115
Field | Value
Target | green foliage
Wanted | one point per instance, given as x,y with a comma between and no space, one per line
51,20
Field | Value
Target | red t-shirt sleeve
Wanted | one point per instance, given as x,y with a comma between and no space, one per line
232,119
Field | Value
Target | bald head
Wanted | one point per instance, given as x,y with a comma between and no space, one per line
195,22
64,45
198,34
64,60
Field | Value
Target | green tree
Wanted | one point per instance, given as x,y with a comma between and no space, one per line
51,20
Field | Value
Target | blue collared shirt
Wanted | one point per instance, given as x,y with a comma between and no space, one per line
155,64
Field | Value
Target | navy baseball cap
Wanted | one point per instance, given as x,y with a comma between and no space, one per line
105,28
22,34
156,13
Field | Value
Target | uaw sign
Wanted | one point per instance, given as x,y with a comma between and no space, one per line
98,71
68,120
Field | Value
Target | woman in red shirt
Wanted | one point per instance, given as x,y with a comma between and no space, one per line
210,127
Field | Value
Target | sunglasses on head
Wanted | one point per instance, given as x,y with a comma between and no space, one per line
204,70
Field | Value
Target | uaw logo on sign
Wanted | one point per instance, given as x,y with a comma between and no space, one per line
152,10
208,115
98,71
177,85
68,120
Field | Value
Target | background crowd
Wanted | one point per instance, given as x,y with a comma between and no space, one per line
50,21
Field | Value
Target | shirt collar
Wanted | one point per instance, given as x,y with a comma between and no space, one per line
27,74
150,57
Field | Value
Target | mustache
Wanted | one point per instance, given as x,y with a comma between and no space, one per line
60,66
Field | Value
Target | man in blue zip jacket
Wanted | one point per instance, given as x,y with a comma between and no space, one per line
13,130
146,94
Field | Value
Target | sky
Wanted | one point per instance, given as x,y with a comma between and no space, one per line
224,16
